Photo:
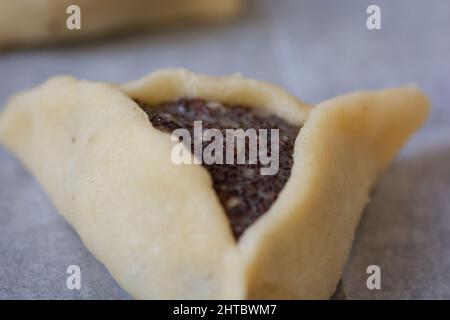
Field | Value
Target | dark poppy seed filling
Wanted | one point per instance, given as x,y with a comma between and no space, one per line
244,193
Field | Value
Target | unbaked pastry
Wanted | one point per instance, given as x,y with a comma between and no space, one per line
160,228
36,21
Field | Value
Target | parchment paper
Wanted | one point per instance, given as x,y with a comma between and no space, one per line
316,49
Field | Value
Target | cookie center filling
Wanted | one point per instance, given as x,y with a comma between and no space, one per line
243,191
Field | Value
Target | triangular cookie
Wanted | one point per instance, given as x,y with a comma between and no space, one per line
162,229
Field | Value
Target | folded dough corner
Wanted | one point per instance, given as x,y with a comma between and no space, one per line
160,229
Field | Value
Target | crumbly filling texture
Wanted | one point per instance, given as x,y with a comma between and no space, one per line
243,191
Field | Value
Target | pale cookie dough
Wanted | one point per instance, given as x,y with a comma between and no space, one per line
159,227
25,22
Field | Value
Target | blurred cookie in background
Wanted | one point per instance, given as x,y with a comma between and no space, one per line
25,22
